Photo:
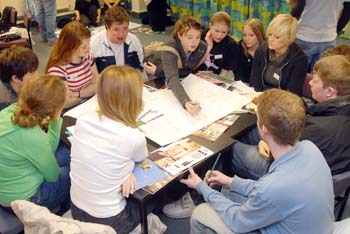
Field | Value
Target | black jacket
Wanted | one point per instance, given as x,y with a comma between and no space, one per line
293,71
243,65
328,127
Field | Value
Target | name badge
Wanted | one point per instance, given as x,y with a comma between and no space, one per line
218,56
276,76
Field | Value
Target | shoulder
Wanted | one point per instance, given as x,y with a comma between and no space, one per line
132,40
57,70
98,39
296,51
202,47
230,41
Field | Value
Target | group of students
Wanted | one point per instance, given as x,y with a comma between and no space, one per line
96,173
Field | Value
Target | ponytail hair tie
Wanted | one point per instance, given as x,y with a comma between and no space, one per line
27,111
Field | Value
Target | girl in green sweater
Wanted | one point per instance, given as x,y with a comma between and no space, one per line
28,167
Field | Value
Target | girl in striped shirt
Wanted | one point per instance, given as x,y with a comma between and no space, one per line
72,61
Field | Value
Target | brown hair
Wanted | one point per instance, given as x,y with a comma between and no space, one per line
119,94
184,24
283,114
40,98
116,14
221,17
283,24
257,27
71,37
334,71
338,50
18,61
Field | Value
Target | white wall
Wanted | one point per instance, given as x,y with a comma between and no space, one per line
63,6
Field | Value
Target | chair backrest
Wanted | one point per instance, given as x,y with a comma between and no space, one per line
341,186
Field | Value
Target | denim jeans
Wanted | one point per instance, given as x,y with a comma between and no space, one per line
53,194
313,50
122,223
247,162
46,15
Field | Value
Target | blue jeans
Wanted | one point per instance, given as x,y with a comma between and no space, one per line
247,162
123,222
313,50
53,194
46,15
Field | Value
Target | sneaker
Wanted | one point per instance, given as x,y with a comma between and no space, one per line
151,32
51,43
181,208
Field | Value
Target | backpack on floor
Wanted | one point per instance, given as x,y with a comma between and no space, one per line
156,46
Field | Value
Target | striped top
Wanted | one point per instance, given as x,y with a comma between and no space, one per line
76,75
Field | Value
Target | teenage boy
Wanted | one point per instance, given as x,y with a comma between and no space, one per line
115,45
282,201
327,124
17,65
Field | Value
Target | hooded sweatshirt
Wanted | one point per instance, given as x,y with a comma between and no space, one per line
26,157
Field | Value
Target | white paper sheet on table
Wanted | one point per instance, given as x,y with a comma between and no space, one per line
86,106
172,121
176,122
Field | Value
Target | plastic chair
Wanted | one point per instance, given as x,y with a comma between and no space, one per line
9,223
341,183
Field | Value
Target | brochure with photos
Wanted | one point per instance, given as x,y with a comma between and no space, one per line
213,131
179,156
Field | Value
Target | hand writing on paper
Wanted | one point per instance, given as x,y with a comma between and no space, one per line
217,178
193,107
150,68
129,185
264,149
192,180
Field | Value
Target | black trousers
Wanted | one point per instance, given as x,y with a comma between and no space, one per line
157,13
344,17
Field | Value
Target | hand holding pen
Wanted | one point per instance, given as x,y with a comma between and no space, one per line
216,177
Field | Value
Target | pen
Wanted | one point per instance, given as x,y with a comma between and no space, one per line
214,165
156,117
146,113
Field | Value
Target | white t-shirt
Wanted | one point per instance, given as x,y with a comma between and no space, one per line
318,22
102,156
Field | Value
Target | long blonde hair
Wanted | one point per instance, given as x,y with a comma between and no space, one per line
257,27
283,24
71,37
119,94
40,98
